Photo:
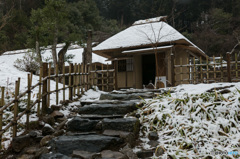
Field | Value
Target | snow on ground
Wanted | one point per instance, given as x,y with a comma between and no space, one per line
194,123
9,74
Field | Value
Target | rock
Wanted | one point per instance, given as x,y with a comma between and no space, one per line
49,110
33,134
54,156
90,143
59,120
129,152
20,142
55,107
58,133
45,140
49,120
128,137
159,151
108,109
153,143
25,156
47,130
57,114
31,150
113,154
153,136
145,154
125,97
42,150
85,154
122,124
79,124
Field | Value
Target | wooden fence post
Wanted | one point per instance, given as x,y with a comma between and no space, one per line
207,71
115,74
17,87
229,67
1,114
44,89
108,78
172,70
29,100
49,85
221,68
70,82
39,91
57,79
64,81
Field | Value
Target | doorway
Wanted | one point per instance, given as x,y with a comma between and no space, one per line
148,69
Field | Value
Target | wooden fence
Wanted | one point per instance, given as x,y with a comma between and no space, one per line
212,70
77,80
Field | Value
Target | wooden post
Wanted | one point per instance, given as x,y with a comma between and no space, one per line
57,79
70,82
181,71
1,114
108,78
82,85
207,71
229,67
64,81
214,69
95,75
49,85
201,73
74,79
115,75
86,78
39,91
102,79
78,79
44,89
236,65
172,70
221,68
17,87
194,70
29,101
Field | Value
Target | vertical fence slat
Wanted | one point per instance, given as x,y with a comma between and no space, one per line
78,79
172,70
194,70
29,101
221,61
214,69
201,72
82,79
229,67
57,79
39,91
181,71
1,113
207,71
115,75
236,65
17,87
64,81
107,77
49,85
44,89
70,82
85,77
74,79
102,79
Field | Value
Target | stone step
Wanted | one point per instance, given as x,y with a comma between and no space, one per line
126,97
90,143
82,125
122,124
98,117
108,109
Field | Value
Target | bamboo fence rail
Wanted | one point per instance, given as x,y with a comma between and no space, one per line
79,79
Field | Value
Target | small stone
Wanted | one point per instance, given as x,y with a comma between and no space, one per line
33,134
113,154
25,156
47,130
153,136
129,152
57,114
45,140
31,150
49,120
153,143
42,150
55,107
59,120
159,151
20,142
145,154
58,133
85,154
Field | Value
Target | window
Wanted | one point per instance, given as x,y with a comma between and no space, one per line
125,65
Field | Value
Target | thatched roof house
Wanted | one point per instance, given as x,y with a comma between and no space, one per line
143,51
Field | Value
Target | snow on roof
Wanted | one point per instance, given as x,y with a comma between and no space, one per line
145,34
151,20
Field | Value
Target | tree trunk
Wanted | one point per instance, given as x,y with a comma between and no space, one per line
39,56
87,53
61,55
54,49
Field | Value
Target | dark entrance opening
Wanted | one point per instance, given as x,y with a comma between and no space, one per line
148,68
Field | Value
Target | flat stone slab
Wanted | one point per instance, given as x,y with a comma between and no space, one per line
83,125
122,124
91,143
54,156
96,116
125,97
108,109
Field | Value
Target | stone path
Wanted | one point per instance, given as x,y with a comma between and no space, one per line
100,131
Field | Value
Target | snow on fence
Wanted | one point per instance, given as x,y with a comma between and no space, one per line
209,70
79,79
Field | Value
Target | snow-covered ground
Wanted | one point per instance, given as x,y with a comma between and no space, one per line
9,74
193,122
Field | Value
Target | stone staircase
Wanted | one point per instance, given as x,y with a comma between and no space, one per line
100,130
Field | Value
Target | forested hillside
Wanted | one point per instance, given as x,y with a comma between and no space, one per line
213,25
